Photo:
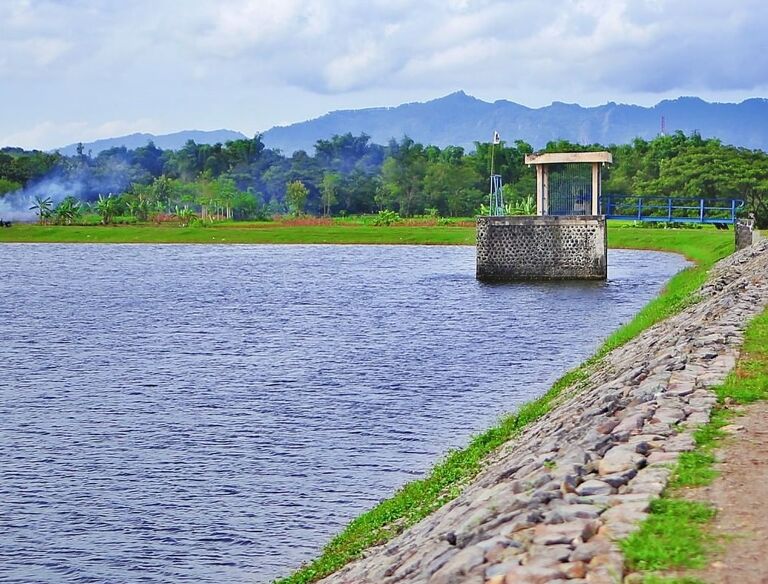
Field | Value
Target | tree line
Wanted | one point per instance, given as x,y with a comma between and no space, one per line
348,174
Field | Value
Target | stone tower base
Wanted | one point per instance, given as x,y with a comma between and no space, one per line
541,248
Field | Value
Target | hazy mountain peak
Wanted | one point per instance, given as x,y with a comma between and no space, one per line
457,96
564,105
172,141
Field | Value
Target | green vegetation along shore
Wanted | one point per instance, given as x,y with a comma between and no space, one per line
251,232
350,175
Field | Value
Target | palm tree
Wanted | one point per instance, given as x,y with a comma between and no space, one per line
68,210
43,206
186,216
106,207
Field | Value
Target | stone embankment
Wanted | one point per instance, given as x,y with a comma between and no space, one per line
551,505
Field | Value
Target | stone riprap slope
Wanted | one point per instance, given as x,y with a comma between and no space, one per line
552,503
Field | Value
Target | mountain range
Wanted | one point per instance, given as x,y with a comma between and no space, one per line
459,119
165,141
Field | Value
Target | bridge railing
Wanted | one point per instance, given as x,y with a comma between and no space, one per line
670,209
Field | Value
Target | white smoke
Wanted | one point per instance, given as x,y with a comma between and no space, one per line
16,206
84,183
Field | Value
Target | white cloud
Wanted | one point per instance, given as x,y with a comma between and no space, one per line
356,68
253,62
335,46
238,25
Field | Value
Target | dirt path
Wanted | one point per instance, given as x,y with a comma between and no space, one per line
740,495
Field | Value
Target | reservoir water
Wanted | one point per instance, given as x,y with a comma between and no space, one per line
184,413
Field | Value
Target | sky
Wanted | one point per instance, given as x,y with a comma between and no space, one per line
79,70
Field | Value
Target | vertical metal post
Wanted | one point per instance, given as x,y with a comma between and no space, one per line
733,211
595,188
491,195
701,210
640,208
669,209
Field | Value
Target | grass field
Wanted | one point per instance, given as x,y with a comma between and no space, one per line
264,232
694,243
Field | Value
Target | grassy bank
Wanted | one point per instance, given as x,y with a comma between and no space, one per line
696,244
417,499
246,232
704,247
675,535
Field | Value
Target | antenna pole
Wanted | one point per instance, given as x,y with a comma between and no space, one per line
491,202
493,146
496,196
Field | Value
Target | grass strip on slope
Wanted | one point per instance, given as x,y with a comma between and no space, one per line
419,498
674,536
704,247
671,536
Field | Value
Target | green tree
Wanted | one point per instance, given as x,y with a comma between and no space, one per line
68,210
296,195
43,207
402,177
106,207
139,201
328,190
357,192
207,194
452,188
227,194
508,161
8,186
248,205
162,191
186,217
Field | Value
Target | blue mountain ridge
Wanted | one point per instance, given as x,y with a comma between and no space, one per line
461,120
165,141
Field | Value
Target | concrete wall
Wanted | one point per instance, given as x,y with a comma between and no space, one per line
541,248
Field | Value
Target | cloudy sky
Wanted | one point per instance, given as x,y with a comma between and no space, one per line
77,70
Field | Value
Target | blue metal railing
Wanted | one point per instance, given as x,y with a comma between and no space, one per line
670,209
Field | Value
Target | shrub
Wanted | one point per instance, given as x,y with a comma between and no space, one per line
386,218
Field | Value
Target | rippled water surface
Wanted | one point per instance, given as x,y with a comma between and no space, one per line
214,413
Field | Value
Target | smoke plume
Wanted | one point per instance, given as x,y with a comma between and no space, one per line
82,182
